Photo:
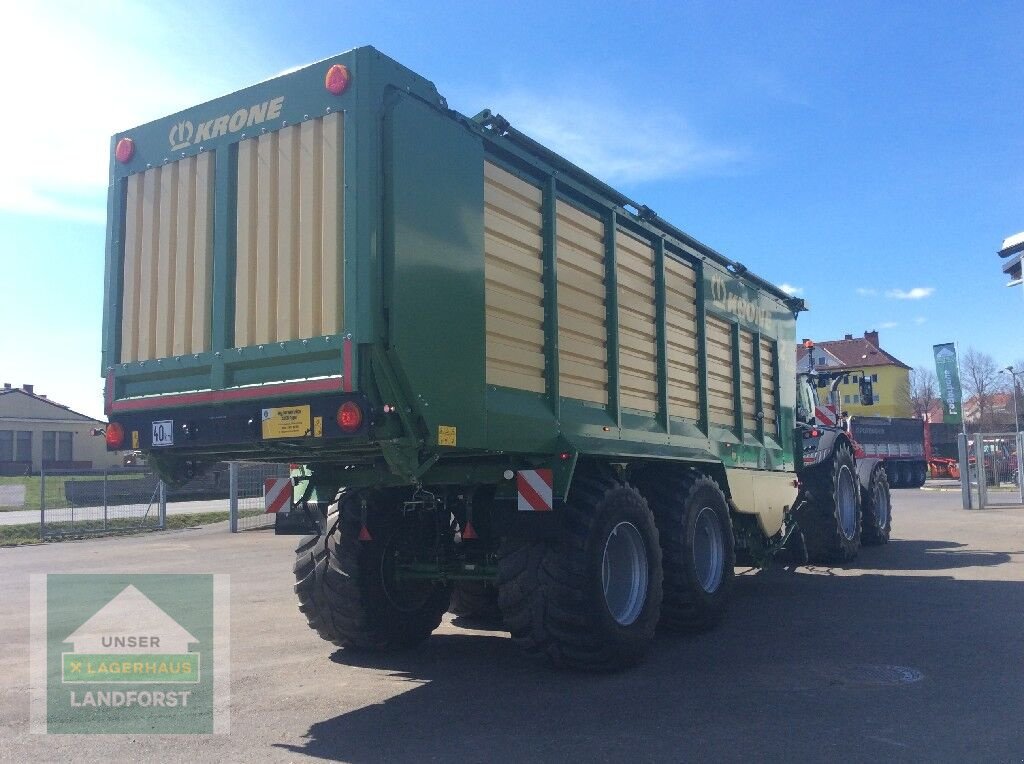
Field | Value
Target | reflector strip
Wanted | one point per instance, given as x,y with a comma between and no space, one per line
331,384
277,495
534,488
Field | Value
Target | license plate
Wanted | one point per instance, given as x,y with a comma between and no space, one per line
286,422
163,433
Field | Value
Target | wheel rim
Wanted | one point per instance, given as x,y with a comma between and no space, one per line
881,506
846,498
624,573
708,550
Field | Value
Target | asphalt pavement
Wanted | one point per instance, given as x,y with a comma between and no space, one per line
911,653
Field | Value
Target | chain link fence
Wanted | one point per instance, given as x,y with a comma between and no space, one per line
84,502
246,507
992,477
79,502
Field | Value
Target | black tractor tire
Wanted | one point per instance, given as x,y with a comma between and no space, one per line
876,510
920,474
552,594
892,474
345,590
907,475
475,601
697,588
833,496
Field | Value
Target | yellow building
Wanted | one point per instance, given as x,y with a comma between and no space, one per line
856,357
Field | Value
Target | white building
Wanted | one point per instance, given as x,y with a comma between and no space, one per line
36,432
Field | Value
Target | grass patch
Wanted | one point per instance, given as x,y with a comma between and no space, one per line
55,498
28,533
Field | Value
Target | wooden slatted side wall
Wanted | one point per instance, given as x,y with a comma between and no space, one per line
582,332
638,347
748,398
514,290
721,405
289,280
168,261
769,404
681,339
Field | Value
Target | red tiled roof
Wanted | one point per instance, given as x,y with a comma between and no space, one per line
855,352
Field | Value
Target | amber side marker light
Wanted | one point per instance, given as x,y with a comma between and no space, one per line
125,150
349,417
114,435
337,79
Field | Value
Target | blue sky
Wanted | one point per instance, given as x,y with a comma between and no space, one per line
870,157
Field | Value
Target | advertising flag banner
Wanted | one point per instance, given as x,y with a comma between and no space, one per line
948,372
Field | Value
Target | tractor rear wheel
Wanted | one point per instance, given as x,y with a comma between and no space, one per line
876,509
831,518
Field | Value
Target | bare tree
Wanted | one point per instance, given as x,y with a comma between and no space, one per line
1017,384
981,380
923,391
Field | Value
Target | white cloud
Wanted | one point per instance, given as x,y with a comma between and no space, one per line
78,73
613,140
888,325
791,290
920,320
865,292
917,293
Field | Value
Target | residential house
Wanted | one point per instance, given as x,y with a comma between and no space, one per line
855,357
999,414
37,433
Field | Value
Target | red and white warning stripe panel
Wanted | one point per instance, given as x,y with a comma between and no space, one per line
824,416
535,492
277,495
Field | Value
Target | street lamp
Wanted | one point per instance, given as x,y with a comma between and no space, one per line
1012,373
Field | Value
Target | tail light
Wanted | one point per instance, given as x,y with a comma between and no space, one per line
337,78
350,416
114,435
125,150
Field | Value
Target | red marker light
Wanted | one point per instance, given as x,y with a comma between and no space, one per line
114,435
337,79
350,416
125,150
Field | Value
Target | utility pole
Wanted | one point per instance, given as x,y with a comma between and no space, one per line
1013,374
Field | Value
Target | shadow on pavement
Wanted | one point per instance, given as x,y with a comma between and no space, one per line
901,554
802,669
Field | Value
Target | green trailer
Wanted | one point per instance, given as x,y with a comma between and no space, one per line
500,376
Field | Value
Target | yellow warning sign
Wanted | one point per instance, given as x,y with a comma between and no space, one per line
318,427
135,439
286,422
445,435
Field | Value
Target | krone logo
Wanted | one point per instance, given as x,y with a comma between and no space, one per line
184,134
181,135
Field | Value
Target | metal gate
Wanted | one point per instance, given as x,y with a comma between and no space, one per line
246,494
990,469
